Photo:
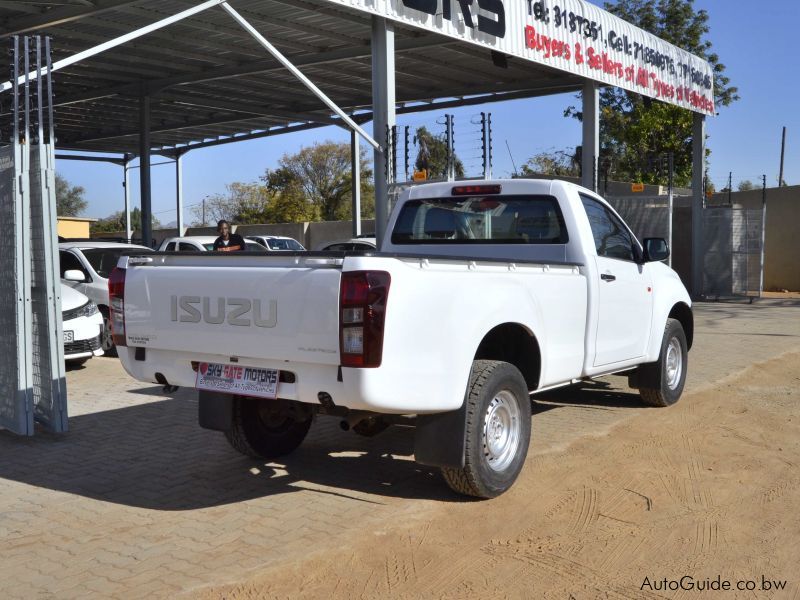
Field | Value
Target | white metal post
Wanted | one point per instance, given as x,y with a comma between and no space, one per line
384,118
698,191
144,170
126,186
179,190
355,178
670,203
590,146
763,234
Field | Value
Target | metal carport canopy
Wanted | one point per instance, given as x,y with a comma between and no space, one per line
208,79
205,80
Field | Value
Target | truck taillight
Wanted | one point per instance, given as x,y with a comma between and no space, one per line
116,297
362,302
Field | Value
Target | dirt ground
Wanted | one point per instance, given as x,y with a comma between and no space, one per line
708,489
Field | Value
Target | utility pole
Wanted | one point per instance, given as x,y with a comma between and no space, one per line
204,212
730,186
783,152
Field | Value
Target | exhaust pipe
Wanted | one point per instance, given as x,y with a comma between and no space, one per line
353,419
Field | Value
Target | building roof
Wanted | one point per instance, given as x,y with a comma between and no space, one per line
78,219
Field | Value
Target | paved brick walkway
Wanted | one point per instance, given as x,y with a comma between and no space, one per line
137,501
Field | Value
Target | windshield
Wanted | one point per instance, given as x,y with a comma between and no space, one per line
103,260
481,220
284,245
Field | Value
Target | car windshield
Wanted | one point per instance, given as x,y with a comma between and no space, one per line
284,245
103,260
481,220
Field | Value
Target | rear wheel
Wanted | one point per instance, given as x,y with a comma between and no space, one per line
267,428
661,383
498,431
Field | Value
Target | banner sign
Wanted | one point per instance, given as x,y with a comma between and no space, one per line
569,35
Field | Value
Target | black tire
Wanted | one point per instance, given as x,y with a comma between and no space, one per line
106,341
493,386
265,429
370,427
659,385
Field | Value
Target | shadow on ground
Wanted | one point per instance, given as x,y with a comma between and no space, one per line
155,456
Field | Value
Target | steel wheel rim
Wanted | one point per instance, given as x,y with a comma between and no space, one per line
501,431
674,363
106,341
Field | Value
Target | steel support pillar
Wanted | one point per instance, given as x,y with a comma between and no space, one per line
355,178
590,146
698,192
126,186
144,169
179,190
383,116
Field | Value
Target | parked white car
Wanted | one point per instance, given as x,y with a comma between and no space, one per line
364,244
277,243
482,293
200,243
85,266
83,326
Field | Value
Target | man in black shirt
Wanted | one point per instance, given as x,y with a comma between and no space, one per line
227,241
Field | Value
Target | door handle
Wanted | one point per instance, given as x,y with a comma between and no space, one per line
607,277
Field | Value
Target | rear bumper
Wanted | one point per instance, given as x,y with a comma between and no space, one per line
378,390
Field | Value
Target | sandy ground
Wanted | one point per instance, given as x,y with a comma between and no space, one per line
706,489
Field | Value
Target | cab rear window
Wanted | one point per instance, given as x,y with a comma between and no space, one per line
512,219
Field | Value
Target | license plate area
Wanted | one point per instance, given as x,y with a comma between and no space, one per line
237,379
69,337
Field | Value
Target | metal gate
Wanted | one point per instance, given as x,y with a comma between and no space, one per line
733,258
32,383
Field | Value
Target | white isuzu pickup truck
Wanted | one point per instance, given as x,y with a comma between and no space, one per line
481,294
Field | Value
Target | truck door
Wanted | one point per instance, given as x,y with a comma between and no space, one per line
624,299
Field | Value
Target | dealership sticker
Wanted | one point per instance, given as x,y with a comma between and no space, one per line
237,379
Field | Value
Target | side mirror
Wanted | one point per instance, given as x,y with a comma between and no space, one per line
74,275
655,249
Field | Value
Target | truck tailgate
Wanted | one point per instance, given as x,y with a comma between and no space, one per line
242,307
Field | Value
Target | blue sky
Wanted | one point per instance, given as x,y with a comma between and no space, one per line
756,41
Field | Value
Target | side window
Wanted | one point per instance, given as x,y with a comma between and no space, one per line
184,247
170,247
611,239
68,262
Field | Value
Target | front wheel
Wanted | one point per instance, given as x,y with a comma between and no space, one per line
267,428
106,340
661,383
498,431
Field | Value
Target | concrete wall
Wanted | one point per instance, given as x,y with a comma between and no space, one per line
782,246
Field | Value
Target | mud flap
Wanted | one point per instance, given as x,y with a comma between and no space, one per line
215,411
440,438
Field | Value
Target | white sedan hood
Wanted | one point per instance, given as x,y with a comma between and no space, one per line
71,298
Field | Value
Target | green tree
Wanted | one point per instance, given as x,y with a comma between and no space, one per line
316,183
69,199
637,132
558,163
745,186
115,223
432,155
